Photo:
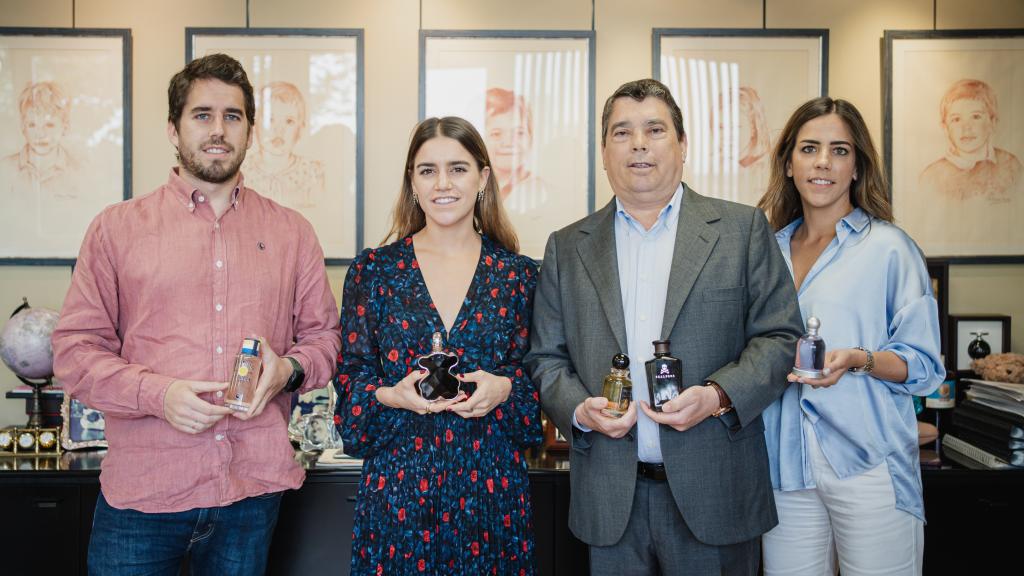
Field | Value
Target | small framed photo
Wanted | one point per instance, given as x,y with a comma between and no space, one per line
736,89
554,441
530,94
938,270
965,329
954,141
82,427
307,150
65,137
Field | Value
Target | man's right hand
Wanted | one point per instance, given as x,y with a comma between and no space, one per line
589,414
186,411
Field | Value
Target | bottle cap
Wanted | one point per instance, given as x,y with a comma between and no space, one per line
620,361
251,346
661,347
813,324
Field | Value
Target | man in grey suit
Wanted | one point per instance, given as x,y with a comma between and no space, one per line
685,490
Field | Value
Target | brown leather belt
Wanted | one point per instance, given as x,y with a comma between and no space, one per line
650,471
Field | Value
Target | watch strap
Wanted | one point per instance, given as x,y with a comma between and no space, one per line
297,378
724,402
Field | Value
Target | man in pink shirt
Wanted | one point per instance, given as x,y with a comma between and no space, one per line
166,287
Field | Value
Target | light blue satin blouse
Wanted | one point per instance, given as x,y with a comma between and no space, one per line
870,288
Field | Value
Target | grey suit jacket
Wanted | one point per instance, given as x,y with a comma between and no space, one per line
732,317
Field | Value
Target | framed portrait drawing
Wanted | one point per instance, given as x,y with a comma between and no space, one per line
964,329
530,94
954,141
736,89
81,427
307,150
65,137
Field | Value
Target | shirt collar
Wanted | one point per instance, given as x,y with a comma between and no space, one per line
668,216
855,221
969,161
190,197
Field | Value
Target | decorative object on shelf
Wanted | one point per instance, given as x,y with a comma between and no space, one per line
82,427
554,441
319,401
28,440
736,88
938,271
964,330
530,94
978,348
26,349
65,113
307,149
952,145
1006,367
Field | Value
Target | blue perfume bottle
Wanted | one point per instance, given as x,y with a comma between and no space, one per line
810,352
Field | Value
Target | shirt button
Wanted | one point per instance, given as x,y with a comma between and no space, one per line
219,307
219,263
220,393
219,437
220,350
643,318
216,225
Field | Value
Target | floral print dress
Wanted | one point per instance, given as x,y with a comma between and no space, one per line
440,494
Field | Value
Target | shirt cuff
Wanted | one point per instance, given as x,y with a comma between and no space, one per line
579,426
152,390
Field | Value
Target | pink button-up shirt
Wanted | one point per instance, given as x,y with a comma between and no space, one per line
164,290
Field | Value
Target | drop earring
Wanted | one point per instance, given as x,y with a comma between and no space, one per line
480,195
415,200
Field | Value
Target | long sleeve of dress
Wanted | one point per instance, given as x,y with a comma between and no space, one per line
365,425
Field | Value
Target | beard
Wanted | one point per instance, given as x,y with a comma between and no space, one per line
217,171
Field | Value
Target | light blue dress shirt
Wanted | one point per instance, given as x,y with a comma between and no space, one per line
870,288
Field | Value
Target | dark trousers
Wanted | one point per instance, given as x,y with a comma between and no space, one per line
657,541
223,541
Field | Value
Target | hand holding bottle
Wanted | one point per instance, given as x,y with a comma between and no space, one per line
186,411
590,413
405,396
274,374
837,363
687,409
490,391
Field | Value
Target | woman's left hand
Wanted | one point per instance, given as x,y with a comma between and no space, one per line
490,391
837,363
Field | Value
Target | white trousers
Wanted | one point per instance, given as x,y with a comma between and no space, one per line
855,519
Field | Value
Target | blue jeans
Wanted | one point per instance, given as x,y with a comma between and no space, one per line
233,539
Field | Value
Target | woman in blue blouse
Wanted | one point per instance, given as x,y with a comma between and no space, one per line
444,487
843,448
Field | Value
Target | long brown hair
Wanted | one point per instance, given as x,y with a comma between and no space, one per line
489,216
870,191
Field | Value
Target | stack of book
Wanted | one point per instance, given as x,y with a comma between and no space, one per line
989,426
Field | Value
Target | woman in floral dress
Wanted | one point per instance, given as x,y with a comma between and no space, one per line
444,488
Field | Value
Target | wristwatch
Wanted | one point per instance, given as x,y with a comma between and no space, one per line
297,378
724,403
868,366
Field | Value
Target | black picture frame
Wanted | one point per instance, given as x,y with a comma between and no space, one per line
961,324
323,218
925,213
938,271
124,36
535,223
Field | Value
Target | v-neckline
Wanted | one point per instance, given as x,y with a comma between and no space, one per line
438,320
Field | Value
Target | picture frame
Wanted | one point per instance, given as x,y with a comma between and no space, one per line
65,137
530,94
307,151
81,427
954,141
961,327
736,89
553,441
938,271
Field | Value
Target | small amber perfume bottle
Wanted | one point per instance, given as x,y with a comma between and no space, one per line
810,352
243,380
664,375
440,382
618,388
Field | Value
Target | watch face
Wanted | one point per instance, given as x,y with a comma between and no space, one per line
6,440
26,440
47,439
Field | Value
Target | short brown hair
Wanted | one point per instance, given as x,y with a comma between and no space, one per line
216,67
639,90
488,214
870,191
969,89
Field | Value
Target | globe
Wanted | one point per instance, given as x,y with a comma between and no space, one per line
25,342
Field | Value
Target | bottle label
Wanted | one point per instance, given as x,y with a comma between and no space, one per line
943,397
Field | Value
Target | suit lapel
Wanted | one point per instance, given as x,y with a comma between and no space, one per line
694,242
597,253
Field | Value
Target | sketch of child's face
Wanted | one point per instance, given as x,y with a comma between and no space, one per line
508,141
42,131
283,132
968,125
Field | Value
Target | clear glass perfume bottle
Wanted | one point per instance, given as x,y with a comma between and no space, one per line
978,348
440,382
664,375
245,377
810,352
618,388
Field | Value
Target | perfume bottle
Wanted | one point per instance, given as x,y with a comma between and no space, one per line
810,352
618,388
664,375
978,348
440,382
243,380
